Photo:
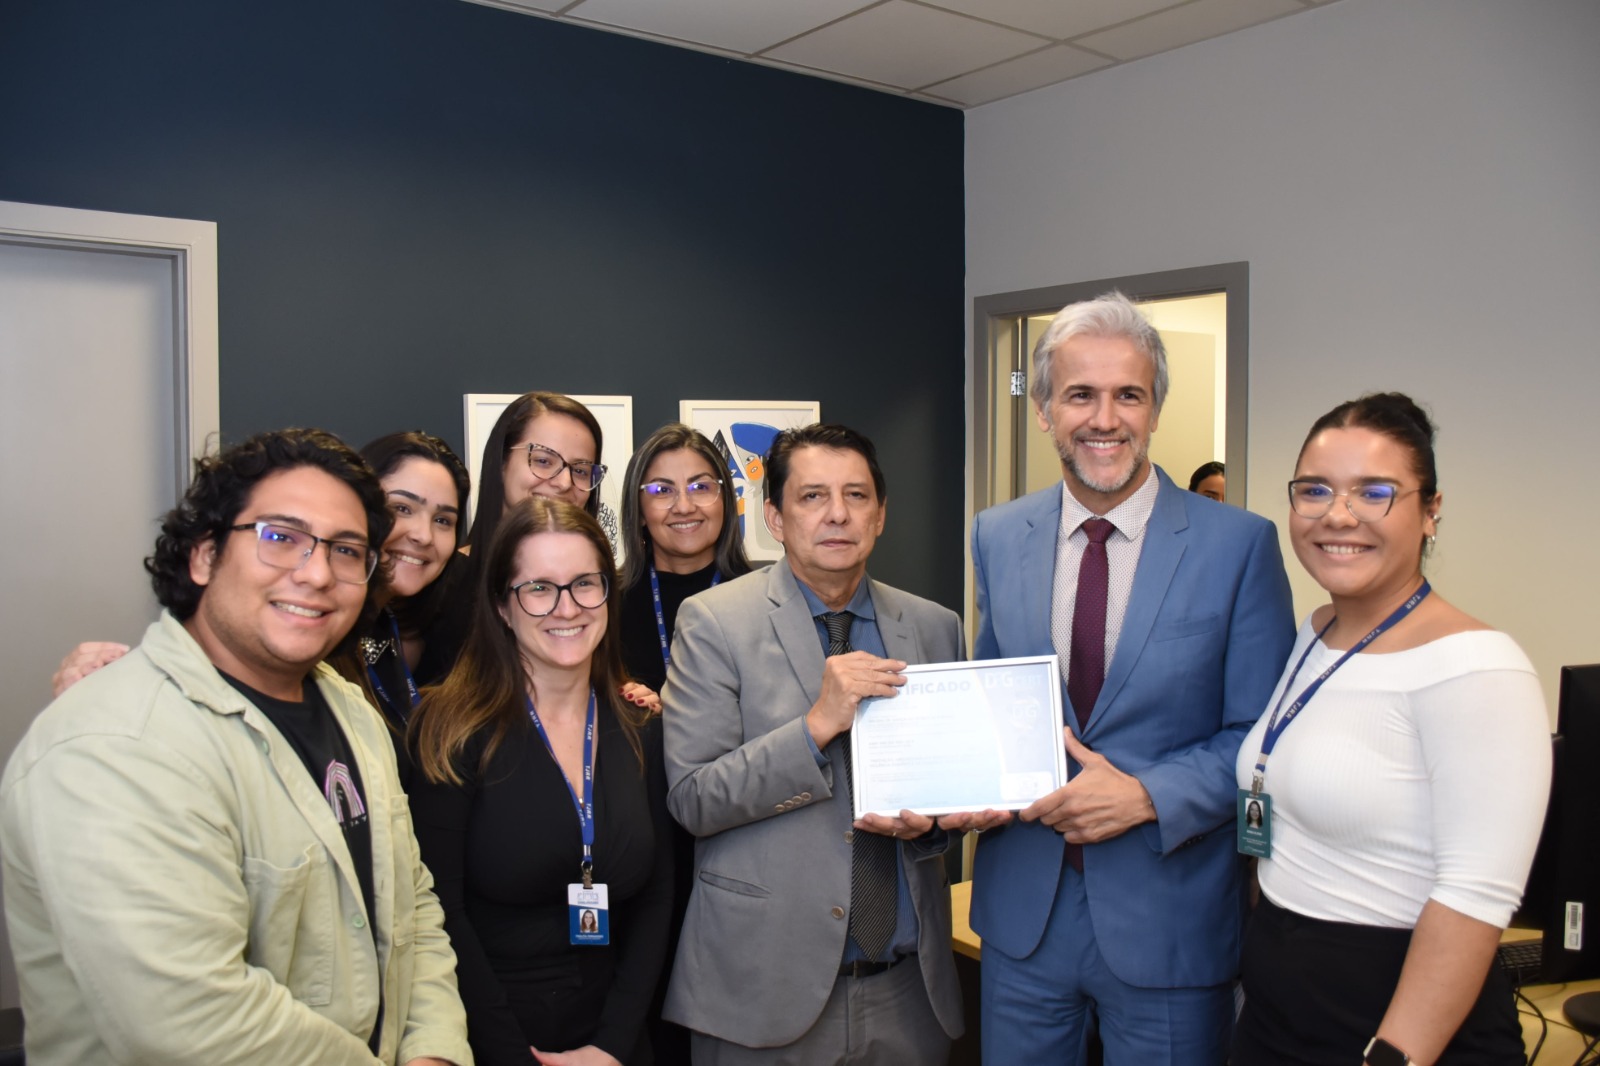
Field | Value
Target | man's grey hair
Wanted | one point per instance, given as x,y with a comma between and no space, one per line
1109,315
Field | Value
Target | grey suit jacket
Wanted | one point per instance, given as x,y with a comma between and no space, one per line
766,926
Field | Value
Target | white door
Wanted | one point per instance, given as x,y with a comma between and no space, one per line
95,435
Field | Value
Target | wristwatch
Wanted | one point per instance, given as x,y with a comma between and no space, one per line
1382,1053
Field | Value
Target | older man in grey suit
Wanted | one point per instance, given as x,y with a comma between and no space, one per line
810,938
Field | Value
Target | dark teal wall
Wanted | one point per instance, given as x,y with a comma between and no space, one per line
421,198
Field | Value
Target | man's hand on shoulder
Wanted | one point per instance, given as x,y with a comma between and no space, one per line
846,681
1100,803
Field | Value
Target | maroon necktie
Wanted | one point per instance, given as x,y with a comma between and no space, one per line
1086,664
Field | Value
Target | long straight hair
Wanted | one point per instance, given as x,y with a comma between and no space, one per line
507,428
486,690
730,558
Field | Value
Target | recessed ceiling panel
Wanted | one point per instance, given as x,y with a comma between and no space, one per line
905,44
1056,18
1057,63
1187,24
743,26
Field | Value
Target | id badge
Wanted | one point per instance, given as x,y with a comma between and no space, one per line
1255,824
588,916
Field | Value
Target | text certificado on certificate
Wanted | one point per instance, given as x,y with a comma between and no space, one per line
966,736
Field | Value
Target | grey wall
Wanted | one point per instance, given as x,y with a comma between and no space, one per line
417,199
1416,186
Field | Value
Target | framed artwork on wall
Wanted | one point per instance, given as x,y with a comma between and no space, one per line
615,415
743,430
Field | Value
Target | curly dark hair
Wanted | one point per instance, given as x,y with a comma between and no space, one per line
223,482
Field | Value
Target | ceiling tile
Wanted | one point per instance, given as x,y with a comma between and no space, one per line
744,26
1056,18
1057,63
1184,25
900,43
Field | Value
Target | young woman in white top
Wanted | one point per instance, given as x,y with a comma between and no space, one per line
1403,799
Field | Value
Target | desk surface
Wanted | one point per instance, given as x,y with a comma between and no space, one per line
1561,1045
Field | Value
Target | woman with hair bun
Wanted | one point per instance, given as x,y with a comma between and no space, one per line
1401,769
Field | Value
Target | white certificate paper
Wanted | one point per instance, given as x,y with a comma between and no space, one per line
961,737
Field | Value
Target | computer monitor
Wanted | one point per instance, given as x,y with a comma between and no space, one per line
1563,897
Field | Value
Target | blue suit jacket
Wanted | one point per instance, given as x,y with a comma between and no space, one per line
1208,627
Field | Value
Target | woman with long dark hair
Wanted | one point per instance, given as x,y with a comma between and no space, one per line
537,784
680,524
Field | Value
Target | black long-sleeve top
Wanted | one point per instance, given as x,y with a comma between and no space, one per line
641,639
503,848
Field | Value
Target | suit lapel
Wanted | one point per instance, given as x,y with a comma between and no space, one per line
1037,572
795,629
899,638
1158,561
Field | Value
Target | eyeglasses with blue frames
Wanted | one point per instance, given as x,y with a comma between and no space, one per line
547,463
1371,502
538,598
704,490
288,548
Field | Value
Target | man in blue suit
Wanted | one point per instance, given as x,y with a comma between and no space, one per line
1118,899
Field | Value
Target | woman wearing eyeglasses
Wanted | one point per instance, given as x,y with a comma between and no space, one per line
540,795
1401,770
543,444
680,523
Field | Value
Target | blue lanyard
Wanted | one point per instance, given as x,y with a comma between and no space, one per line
1281,718
411,684
584,805
661,619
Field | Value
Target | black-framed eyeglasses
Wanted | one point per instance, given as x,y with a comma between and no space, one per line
288,548
547,463
539,598
703,490
1367,503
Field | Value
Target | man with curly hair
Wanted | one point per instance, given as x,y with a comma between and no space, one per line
207,855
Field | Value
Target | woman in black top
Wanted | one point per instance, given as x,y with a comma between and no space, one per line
502,758
680,523
426,486
543,444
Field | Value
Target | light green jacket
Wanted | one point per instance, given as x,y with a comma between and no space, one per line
178,891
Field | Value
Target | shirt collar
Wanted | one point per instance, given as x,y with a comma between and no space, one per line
860,604
1130,516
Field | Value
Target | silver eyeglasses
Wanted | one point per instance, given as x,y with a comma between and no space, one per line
701,491
1367,503
288,548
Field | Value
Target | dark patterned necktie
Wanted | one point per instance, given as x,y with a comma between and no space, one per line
1086,666
872,856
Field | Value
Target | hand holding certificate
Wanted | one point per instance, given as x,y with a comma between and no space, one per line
961,737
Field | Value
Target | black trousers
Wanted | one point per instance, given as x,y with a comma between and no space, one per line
1315,992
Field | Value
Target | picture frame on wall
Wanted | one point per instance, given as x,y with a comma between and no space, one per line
742,431
480,410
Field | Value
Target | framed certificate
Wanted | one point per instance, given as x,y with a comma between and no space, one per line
961,737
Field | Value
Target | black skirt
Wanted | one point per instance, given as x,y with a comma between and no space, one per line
1316,991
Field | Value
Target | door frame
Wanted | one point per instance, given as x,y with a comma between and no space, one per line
190,247
1233,279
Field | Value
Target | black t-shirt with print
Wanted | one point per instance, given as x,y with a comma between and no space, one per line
314,732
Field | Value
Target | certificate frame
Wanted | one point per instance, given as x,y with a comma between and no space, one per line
1007,752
